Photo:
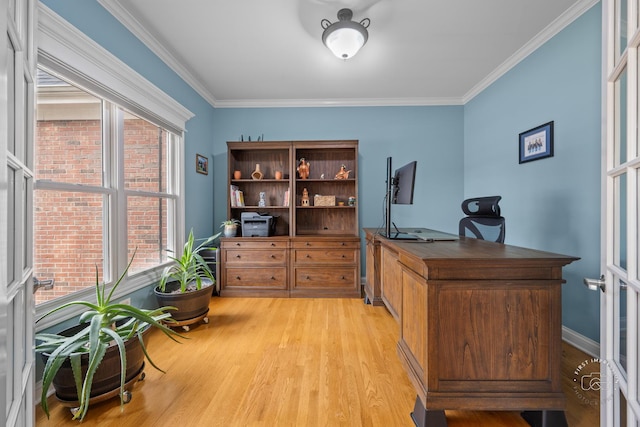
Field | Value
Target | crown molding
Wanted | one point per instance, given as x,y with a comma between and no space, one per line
62,44
121,14
560,23
299,103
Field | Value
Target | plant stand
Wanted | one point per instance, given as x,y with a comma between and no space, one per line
126,395
184,324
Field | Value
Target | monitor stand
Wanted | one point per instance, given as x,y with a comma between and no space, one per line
399,235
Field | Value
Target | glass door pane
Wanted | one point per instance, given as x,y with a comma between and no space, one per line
620,119
620,222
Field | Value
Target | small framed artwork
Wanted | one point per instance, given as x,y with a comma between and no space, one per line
536,143
202,164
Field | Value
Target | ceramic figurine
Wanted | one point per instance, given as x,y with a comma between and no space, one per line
257,174
343,174
303,168
305,197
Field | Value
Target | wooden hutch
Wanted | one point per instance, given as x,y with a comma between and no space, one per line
315,248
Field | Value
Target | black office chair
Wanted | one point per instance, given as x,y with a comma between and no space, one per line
483,220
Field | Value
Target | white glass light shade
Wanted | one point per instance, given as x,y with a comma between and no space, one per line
345,42
345,38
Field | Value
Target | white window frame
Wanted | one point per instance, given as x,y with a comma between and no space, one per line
61,47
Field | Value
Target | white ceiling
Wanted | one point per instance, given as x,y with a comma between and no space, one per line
270,53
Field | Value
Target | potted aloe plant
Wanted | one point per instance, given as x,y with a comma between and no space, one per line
185,284
101,354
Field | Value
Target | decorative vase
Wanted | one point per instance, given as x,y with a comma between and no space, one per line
262,202
230,230
237,174
278,175
257,174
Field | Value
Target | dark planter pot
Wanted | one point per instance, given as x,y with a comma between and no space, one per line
189,305
107,376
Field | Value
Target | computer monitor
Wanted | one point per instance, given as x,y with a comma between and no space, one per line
403,182
399,191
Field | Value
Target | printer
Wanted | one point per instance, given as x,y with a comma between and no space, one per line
257,225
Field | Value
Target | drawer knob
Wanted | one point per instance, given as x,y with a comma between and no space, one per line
273,278
342,278
238,256
237,243
273,244
237,277
308,244
308,256
308,277
272,256
343,256
342,244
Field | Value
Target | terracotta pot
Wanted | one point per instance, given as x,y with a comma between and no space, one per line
278,175
237,174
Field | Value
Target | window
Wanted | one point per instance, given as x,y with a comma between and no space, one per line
117,172
82,191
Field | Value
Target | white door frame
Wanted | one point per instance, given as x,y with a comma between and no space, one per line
17,71
620,243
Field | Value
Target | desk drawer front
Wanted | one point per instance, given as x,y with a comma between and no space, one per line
238,256
254,244
325,256
272,278
325,277
320,244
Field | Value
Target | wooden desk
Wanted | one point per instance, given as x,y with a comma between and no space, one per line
480,325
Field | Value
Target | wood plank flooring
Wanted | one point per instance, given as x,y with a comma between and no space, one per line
287,362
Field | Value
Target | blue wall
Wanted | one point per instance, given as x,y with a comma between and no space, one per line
94,21
551,204
554,203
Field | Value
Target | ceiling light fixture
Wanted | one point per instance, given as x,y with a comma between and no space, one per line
345,37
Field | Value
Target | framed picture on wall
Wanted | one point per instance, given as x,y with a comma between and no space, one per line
202,164
536,143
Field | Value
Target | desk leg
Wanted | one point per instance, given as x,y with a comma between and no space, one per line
545,418
423,418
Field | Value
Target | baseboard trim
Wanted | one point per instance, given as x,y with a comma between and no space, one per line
581,342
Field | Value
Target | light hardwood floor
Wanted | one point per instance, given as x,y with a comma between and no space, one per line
288,362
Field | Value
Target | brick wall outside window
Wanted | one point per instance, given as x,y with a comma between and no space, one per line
68,226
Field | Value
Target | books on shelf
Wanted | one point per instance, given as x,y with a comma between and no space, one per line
236,196
285,202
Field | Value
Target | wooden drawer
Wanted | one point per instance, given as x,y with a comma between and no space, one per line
254,243
272,278
244,256
333,278
320,244
329,255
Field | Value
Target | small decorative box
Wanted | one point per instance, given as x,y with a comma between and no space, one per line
319,200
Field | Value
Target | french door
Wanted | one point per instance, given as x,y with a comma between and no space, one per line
17,67
620,405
